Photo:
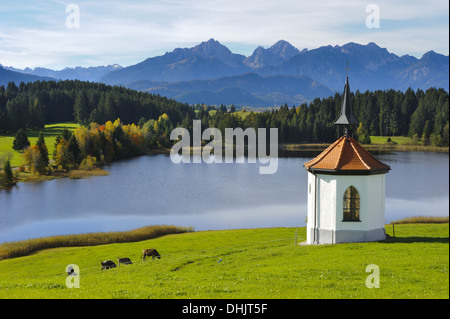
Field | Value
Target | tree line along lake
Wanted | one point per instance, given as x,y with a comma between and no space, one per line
152,190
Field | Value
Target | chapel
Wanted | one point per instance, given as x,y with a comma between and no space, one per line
346,188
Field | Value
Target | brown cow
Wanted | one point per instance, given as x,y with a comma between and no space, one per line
150,252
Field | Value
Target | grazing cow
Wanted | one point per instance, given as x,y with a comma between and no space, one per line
70,271
150,252
108,264
125,261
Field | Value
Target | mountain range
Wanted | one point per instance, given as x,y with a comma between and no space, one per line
92,74
210,73
7,75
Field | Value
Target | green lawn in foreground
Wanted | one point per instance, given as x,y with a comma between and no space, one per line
248,263
50,132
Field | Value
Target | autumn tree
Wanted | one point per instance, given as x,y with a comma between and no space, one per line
62,155
362,135
33,159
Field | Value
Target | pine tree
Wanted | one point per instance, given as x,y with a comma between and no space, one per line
20,141
43,148
66,134
9,178
57,140
81,108
74,150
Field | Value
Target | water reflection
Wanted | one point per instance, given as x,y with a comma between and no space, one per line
152,190
256,217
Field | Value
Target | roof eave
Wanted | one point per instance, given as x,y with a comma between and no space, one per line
348,172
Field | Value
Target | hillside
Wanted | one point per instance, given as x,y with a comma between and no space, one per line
50,132
248,263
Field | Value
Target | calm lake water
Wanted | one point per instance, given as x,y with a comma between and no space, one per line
151,190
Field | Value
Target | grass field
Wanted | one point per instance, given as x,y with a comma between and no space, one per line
401,140
50,132
402,143
378,143
248,263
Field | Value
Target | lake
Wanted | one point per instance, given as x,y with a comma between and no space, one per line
151,190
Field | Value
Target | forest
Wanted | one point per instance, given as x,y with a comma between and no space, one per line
32,105
421,115
117,122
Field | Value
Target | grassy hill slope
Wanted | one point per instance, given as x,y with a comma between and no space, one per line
50,132
249,263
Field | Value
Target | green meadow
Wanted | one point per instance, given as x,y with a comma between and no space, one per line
402,143
50,132
246,263
401,140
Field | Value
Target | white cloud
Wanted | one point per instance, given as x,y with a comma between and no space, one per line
128,32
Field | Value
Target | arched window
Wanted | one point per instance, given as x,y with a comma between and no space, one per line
351,205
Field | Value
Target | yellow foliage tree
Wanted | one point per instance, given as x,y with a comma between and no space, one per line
62,158
117,122
34,160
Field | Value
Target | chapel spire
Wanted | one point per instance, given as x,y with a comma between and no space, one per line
346,117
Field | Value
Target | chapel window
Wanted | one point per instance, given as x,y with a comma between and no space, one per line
351,205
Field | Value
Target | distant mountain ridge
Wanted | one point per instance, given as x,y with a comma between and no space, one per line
276,54
7,76
371,68
92,74
242,90
208,60
210,72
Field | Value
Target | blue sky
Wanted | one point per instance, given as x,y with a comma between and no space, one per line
34,33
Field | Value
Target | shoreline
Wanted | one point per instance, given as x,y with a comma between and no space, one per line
26,247
369,147
20,248
27,177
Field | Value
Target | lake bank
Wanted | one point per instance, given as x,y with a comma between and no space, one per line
30,246
27,247
284,150
28,177
370,147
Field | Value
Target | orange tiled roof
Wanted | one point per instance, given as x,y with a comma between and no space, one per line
346,156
